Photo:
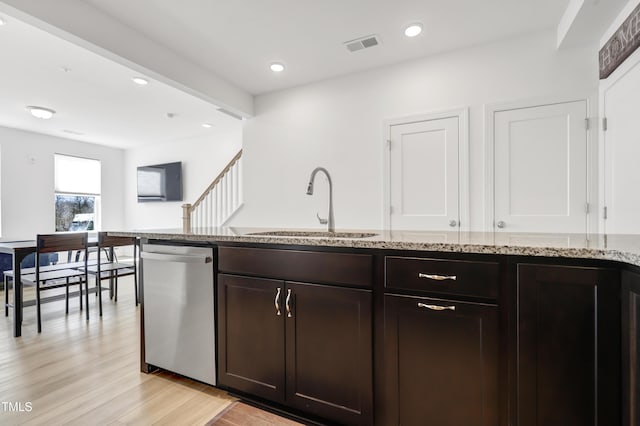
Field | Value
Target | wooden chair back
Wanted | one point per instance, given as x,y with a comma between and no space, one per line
105,240
50,243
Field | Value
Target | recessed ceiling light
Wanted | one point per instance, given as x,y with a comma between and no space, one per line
413,30
1,21
41,112
141,81
207,125
276,67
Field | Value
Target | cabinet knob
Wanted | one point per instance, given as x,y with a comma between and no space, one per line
453,223
501,224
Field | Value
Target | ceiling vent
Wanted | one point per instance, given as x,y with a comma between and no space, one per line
362,43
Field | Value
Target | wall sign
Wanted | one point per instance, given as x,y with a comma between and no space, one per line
622,43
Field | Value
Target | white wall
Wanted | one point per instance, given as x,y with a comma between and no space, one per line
626,11
27,181
339,124
202,160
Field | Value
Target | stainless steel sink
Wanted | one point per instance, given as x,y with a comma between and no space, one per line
321,234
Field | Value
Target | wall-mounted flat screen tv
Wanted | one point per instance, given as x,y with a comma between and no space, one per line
160,182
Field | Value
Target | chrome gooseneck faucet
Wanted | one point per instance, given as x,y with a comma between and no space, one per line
330,222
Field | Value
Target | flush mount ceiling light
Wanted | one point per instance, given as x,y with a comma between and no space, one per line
207,125
276,67
141,81
413,29
41,112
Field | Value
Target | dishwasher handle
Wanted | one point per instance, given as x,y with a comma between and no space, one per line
179,258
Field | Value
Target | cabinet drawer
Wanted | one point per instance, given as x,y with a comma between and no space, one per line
297,265
453,277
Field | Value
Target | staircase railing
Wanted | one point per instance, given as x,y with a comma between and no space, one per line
221,199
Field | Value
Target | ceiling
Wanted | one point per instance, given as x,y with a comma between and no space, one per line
236,41
94,98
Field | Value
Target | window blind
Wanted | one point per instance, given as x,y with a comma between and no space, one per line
75,175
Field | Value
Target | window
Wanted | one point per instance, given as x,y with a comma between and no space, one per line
77,193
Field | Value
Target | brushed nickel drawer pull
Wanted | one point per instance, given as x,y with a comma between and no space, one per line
437,277
436,307
277,302
288,303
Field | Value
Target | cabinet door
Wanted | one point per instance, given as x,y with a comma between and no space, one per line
251,336
540,168
329,352
630,348
424,174
567,347
620,105
441,362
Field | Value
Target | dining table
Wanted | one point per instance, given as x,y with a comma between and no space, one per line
19,249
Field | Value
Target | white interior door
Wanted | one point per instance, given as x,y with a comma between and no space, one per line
621,105
424,175
540,168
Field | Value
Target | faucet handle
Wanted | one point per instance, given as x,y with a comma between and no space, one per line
321,220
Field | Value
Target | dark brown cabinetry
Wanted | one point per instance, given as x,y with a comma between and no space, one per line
460,340
251,355
441,362
328,352
306,346
440,353
566,347
630,348
452,278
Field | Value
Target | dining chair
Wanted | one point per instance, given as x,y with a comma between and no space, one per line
111,268
48,262
46,278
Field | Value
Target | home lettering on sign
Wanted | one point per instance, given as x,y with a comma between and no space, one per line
621,45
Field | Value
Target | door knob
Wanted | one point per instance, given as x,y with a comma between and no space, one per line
453,223
501,224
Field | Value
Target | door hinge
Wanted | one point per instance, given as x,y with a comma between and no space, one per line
390,209
604,124
389,144
604,213
586,123
586,208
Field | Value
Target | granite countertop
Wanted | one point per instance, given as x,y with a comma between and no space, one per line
622,248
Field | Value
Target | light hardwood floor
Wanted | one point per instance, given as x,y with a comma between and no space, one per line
87,373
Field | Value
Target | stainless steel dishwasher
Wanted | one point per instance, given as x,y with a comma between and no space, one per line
179,309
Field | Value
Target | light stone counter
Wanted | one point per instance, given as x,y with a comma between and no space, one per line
622,248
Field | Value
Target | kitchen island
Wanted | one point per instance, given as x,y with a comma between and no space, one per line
398,327
621,248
